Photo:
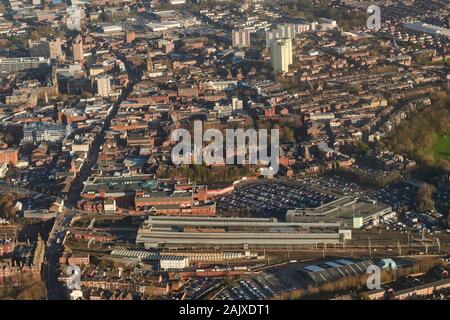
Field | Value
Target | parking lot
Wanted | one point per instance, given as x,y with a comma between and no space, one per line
254,288
397,195
272,198
196,287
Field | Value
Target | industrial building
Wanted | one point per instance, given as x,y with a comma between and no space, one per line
243,233
334,270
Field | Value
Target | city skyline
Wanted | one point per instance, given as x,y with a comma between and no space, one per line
224,150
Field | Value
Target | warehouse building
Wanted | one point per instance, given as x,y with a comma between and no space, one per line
334,270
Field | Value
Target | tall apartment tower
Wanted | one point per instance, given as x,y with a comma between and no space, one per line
281,54
272,35
103,86
240,38
302,27
77,49
287,30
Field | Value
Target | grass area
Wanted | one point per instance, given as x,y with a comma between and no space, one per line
441,148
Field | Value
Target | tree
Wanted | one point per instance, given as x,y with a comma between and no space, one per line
287,135
425,197
28,289
86,95
417,135
362,147
8,209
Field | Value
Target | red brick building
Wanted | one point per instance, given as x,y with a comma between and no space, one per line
177,203
10,156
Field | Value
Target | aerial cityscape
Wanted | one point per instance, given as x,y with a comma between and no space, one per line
224,150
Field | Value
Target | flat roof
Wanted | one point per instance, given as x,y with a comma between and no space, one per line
342,208
238,222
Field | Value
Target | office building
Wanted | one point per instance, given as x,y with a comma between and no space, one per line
44,131
19,64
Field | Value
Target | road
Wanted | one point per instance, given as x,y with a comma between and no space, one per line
56,237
